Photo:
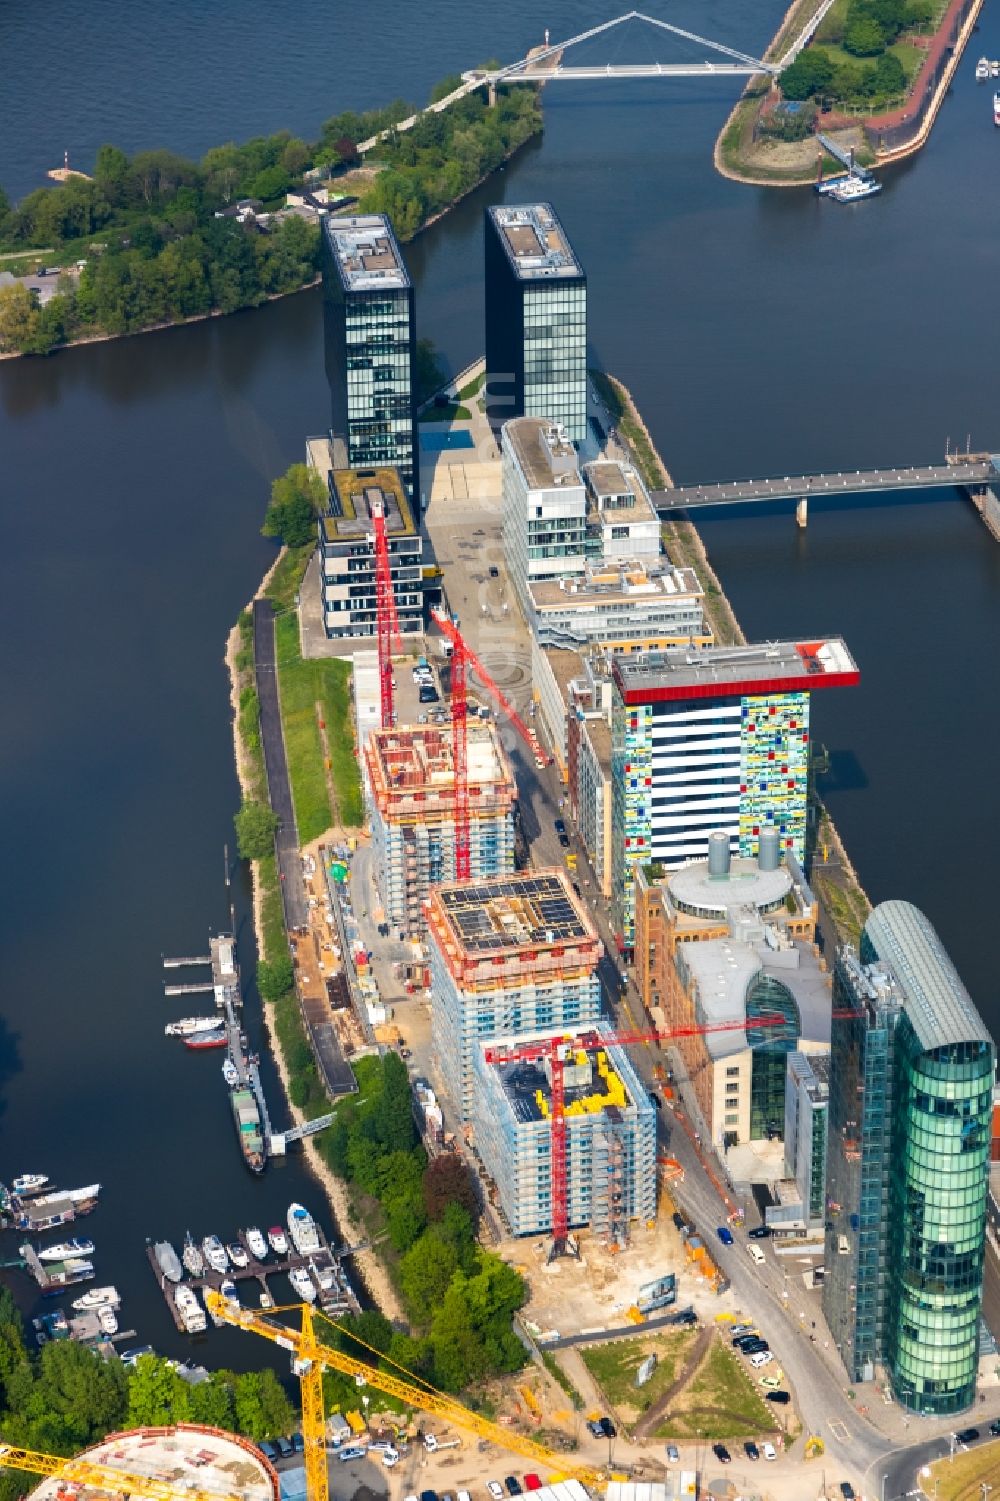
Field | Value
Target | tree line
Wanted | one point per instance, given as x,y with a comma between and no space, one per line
460,1298
154,251
857,67
66,1397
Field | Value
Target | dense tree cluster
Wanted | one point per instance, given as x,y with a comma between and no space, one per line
155,252
460,1298
67,1397
297,497
445,155
871,74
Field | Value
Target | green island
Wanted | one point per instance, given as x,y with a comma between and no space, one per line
871,79
154,239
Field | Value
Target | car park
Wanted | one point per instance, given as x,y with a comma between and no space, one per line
782,1398
495,1489
768,1451
673,1454
751,1451
353,1452
724,1234
722,1454
513,1485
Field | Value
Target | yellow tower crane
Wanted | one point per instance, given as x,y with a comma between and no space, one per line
310,1357
117,1481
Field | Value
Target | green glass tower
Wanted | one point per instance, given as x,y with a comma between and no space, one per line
908,1147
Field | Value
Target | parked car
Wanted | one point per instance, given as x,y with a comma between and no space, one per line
532,1482
724,1234
513,1485
430,1496
760,1357
678,1220
284,1447
722,1454
847,1490
751,1451
995,1427
673,1454
355,1453
743,1329
760,1232
298,1443
268,1450
756,1254
740,1340
564,840
782,1398
495,1489
390,1458
594,1427
655,1101
607,1428
768,1451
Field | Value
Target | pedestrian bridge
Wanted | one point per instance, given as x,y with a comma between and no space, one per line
964,470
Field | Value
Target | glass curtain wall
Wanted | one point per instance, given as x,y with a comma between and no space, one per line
555,354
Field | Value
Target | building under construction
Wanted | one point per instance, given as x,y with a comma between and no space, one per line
510,957
411,784
610,1139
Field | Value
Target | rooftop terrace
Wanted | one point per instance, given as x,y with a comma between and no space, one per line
726,671
546,457
365,253
608,583
354,496
535,241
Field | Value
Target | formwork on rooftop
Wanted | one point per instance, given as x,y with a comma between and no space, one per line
412,774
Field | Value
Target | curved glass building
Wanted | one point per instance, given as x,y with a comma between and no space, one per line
908,1148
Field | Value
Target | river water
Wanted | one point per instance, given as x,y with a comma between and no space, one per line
760,333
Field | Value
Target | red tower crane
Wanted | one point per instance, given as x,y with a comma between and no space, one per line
385,614
555,1049
462,659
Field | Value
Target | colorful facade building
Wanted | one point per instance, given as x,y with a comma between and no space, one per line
716,739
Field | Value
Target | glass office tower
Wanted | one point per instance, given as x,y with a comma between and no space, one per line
908,1147
536,320
370,347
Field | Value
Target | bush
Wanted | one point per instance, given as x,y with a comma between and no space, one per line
256,826
275,977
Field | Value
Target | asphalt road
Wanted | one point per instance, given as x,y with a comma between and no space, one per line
287,839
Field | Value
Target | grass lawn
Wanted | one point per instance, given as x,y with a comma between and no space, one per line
301,686
720,1403
614,1366
447,414
962,1478
845,904
466,393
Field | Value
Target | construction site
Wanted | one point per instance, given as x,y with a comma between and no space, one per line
609,1149
510,957
412,786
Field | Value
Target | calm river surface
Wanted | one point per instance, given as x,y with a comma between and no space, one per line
760,333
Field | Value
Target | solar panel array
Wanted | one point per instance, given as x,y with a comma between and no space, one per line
540,906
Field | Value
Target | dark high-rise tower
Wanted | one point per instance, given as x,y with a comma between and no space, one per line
536,320
370,347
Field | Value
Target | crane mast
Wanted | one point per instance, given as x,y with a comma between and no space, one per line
387,620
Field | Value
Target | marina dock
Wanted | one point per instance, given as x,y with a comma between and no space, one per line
338,1299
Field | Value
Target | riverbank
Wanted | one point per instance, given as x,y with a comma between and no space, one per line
833,876
876,140
365,1264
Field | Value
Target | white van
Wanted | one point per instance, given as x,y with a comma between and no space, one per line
762,1357
756,1254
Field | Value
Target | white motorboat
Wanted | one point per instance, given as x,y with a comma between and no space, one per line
856,188
237,1254
215,1254
194,1261
266,1301
228,1291
230,1073
983,68
255,1240
189,1024
192,1315
65,1250
302,1283
29,1183
96,1298
107,1319
86,1195
302,1229
277,1240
